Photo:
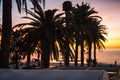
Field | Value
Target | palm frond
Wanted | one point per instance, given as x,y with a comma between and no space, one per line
37,21
58,16
32,14
23,4
37,8
19,5
50,14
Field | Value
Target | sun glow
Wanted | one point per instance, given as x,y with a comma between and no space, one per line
113,43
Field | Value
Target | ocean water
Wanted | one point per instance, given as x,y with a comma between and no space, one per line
109,56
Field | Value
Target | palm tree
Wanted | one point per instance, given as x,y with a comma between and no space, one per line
98,37
6,29
67,6
46,29
80,18
89,39
95,35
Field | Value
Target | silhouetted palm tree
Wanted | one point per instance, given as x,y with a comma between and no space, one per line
6,31
98,37
81,14
7,27
95,36
46,28
89,38
67,7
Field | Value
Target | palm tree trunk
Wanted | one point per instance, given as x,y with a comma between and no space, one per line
76,54
67,6
67,54
28,60
82,52
6,33
16,59
45,60
89,57
67,40
95,62
45,56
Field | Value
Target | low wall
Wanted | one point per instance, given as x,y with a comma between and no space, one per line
53,75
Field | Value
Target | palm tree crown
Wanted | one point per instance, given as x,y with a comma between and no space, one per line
46,28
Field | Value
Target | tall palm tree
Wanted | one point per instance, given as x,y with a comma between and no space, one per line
46,29
89,39
98,37
95,36
67,6
80,18
6,29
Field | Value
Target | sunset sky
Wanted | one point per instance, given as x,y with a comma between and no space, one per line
109,10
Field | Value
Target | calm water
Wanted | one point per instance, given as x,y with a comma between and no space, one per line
109,56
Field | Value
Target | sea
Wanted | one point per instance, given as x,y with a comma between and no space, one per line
109,56
106,56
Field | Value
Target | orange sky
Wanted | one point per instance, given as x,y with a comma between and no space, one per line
109,10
